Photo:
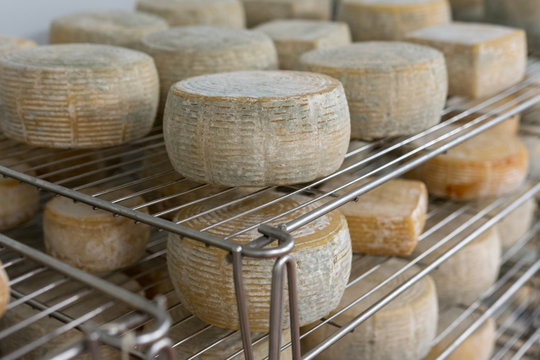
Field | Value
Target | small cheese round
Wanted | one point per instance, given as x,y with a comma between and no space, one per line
491,164
4,290
184,52
261,11
391,19
93,240
227,13
393,88
117,27
78,95
516,224
9,44
203,277
402,330
468,10
464,277
241,128
295,37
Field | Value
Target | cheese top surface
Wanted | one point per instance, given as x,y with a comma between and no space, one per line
298,29
376,55
8,43
463,33
117,20
74,56
256,85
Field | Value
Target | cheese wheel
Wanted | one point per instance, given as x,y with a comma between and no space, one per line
402,330
516,224
469,273
78,95
295,37
93,240
468,10
4,290
478,346
393,88
9,44
261,11
490,164
19,201
391,19
203,277
257,128
227,13
184,52
117,27
387,220
482,59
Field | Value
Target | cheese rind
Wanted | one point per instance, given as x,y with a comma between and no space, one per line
516,224
482,59
391,19
119,28
295,37
78,95
468,10
241,128
9,44
226,13
392,88
4,290
261,11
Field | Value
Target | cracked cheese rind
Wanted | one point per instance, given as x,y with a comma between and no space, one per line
78,95
482,59
240,128
203,276
261,11
4,290
393,88
391,19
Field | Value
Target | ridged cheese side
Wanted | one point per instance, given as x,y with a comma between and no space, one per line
78,95
261,11
4,290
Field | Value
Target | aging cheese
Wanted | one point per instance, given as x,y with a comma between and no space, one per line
203,277
9,44
532,142
482,59
387,220
4,290
94,240
184,52
391,19
516,224
468,10
78,95
117,27
478,346
487,165
261,11
226,13
295,37
402,330
393,88
257,128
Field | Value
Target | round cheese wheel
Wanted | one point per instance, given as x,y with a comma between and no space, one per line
478,346
257,128
295,37
391,19
4,290
227,13
393,88
261,11
467,10
489,164
184,52
402,330
203,277
464,277
117,27
78,95
516,224
93,240
9,44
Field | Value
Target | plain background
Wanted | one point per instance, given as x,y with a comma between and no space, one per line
31,18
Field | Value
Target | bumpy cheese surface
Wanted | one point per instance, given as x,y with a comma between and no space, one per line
78,95
490,164
4,290
402,330
261,11
257,128
392,88
226,13
203,277
482,59
119,28
391,19
295,37
184,52
387,220
93,240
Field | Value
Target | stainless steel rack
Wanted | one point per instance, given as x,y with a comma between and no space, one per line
143,168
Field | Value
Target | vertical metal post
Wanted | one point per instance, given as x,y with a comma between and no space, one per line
241,303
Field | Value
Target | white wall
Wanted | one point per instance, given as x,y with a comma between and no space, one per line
31,18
